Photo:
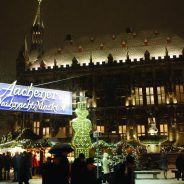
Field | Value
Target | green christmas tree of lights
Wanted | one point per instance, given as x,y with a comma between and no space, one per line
82,126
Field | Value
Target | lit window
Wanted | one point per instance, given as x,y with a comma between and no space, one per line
138,96
46,131
70,131
129,101
140,130
152,128
74,100
36,127
163,129
122,129
179,93
161,95
100,128
151,120
149,95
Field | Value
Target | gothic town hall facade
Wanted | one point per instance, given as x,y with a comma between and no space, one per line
129,79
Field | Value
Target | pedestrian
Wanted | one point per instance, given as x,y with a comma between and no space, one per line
106,168
30,164
91,177
180,167
121,173
1,166
164,164
24,170
35,165
16,165
46,170
130,166
79,169
7,166
60,171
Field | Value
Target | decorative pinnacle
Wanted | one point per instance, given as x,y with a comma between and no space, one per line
39,1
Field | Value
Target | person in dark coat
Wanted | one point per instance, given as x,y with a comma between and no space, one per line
164,164
91,177
24,170
30,164
16,165
60,169
79,169
1,167
180,167
130,165
7,166
46,171
121,174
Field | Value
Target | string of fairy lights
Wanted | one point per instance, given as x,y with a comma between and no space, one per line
60,80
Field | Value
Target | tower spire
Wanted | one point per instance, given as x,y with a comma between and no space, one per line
26,52
37,19
37,30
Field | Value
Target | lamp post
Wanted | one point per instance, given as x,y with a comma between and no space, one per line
96,135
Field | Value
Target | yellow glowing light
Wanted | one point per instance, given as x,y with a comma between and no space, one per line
82,127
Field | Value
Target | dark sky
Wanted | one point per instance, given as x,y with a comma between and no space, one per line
81,18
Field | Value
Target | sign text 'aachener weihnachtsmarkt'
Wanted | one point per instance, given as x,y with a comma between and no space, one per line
32,99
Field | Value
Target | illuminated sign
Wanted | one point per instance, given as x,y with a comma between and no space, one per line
32,99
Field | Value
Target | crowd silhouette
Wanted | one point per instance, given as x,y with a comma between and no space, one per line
85,171
58,169
21,163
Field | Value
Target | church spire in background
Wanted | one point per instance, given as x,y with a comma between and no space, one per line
37,20
26,52
37,30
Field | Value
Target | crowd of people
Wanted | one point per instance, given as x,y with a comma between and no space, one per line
24,165
83,170
59,169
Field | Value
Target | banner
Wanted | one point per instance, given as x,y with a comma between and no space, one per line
33,99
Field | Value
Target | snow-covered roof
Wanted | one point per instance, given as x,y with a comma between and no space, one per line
100,47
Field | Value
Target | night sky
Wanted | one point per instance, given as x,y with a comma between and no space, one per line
81,18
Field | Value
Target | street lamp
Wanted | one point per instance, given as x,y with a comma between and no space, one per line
96,135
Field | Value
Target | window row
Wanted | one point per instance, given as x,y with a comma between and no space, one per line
138,94
122,129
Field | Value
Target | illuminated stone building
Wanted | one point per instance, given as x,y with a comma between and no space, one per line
129,79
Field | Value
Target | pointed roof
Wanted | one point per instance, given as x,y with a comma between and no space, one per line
26,52
25,45
37,20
